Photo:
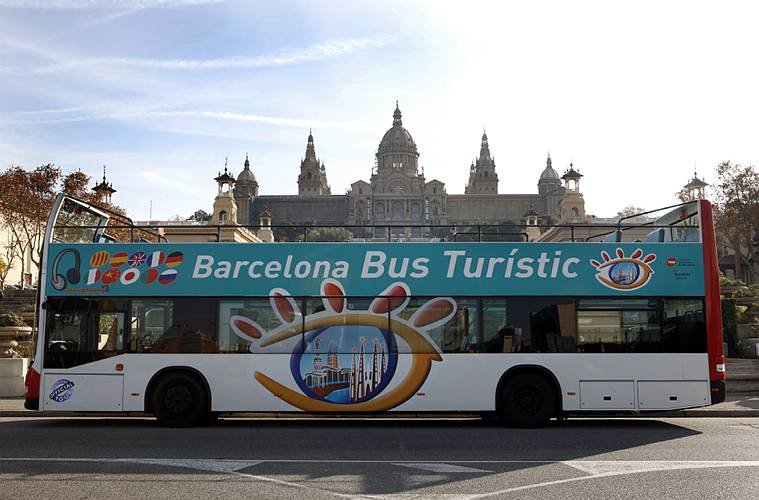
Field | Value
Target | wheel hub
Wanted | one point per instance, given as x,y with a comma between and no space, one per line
178,399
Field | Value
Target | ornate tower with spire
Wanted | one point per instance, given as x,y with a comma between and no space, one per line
246,188
104,190
572,207
312,180
695,189
482,176
224,206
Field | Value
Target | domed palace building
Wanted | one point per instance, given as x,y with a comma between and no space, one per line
398,193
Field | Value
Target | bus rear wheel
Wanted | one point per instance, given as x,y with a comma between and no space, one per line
179,400
527,400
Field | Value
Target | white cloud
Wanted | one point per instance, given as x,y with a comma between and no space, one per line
316,52
209,114
99,4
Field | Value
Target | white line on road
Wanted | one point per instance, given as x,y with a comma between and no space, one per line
440,467
208,464
594,468
609,468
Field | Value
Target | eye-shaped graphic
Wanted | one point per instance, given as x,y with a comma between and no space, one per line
349,357
624,273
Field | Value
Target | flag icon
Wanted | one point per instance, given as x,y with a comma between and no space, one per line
174,259
130,276
155,259
118,259
112,275
137,259
149,276
167,276
99,258
93,276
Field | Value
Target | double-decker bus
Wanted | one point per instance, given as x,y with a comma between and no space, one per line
529,331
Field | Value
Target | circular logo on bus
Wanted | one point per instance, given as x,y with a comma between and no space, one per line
62,390
623,272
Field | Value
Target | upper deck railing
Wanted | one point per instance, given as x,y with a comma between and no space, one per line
99,225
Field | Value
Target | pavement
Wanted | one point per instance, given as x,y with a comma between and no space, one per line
736,405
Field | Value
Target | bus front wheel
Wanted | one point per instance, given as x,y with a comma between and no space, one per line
527,400
179,400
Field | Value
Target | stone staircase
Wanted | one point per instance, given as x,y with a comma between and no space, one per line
13,299
742,376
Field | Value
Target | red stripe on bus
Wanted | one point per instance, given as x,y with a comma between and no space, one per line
711,289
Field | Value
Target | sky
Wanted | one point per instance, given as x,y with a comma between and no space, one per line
635,94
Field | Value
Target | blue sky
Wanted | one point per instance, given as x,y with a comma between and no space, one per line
162,91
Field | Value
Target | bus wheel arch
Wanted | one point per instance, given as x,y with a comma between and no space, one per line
531,381
179,396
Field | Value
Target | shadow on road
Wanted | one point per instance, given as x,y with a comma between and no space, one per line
320,449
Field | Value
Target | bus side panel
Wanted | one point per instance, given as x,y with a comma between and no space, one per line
67,391
460,382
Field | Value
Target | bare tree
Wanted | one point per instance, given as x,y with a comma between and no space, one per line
26,198
736,197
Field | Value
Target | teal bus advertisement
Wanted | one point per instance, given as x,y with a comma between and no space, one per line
476,269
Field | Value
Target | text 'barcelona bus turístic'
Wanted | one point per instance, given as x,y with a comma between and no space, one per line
529,331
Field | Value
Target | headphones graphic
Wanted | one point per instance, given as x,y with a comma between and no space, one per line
72,275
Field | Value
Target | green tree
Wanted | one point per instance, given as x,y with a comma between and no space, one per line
329,234
200,216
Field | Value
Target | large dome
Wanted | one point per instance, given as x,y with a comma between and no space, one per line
549,173
397,139
246,175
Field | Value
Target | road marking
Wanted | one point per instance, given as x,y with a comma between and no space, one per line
223,466
209,464
595,469
443,468
616,467
610,468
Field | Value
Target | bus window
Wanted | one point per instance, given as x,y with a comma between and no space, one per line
459,334
77,223
259,311
182,325
82,330
683,325
618,325
497,334
543,324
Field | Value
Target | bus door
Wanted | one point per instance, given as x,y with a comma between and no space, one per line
81,373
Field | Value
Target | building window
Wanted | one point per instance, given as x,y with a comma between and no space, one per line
398,209
379,210
415,210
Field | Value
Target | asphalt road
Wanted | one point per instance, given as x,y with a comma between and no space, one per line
77,458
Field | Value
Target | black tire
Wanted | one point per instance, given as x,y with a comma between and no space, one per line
180,400
527,400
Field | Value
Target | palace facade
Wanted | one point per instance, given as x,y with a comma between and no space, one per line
399,193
